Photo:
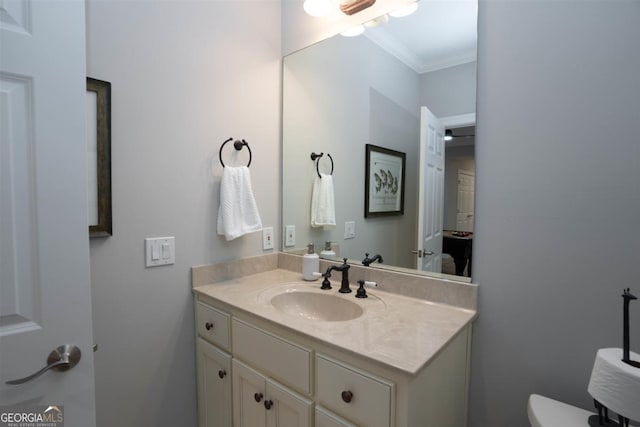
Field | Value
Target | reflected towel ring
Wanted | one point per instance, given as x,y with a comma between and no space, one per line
238,146
315,157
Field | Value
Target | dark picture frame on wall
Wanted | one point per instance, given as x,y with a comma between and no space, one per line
98,139
384,181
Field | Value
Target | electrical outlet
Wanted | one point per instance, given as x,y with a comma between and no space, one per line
290,235
267,238
349,229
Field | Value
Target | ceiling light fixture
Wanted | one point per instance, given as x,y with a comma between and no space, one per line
353,31
448,135
377,22
405,10
320,8
317,8
351,7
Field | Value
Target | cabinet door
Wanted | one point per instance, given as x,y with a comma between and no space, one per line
248,396
286,408
325,418
214,386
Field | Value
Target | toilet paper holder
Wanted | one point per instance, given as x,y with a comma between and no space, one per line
615,380
627,297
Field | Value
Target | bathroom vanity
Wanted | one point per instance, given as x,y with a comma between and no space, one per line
273,350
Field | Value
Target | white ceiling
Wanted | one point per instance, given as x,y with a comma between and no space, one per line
440,34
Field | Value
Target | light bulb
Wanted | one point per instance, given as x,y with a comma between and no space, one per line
448,135
317,8
353,31
405,10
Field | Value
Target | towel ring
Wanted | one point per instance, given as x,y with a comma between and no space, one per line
315,156
238,146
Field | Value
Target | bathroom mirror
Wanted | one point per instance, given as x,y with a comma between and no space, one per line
346,92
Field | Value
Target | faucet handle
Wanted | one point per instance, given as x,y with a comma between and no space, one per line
325,283
361,292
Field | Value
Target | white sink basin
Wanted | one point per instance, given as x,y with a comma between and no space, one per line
316,306
306,301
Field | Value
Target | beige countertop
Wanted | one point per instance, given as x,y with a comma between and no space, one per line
401,332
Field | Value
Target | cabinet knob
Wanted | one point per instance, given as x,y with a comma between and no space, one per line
347,396
268,404
222,373
258,397
208,326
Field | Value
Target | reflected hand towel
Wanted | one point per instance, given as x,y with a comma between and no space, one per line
238,213
323,211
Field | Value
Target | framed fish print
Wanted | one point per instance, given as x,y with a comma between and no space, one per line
384,181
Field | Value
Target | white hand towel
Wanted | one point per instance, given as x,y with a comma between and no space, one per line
238,213
323,210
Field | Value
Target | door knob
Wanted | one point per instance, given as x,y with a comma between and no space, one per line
427,253
61,359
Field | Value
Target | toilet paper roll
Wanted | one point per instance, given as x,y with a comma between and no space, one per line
616,384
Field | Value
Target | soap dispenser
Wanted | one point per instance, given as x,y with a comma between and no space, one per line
310,264
328,253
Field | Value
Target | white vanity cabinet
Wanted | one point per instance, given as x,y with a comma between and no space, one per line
252,372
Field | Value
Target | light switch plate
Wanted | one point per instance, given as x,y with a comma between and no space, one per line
160,251
267,238
290,235
349,229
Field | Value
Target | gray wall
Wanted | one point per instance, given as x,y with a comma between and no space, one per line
185,76
450,91
556,235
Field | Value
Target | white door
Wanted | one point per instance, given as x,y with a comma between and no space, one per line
465,206
45,299
431,192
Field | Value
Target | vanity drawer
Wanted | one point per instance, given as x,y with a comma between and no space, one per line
285,361
213,325
353,394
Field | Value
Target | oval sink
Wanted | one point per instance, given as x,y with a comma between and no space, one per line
315,306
